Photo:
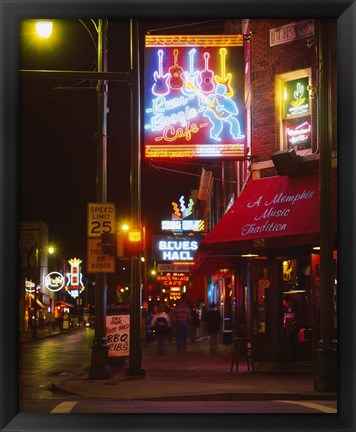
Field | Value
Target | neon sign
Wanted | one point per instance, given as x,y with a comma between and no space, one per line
179,215
175,279
175,248
75,285
296,97
29,286
54,281
182,211
298,135
183,225
194,97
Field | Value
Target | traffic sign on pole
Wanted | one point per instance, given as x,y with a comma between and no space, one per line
101,219
97,261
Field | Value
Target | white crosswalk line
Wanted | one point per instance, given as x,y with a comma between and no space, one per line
64,407
312,405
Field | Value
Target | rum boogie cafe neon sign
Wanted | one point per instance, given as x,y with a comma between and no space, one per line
194,97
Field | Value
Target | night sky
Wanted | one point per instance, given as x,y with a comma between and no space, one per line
58,136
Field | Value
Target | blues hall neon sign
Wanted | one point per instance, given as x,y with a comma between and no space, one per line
194,97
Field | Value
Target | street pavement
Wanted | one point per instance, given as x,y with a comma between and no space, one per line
197,375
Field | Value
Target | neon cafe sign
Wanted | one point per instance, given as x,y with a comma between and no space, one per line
178,222
194,97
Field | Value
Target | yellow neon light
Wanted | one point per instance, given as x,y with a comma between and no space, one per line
194,40
134,236
224,79
176,209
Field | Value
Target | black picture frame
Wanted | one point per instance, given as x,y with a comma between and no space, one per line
11,12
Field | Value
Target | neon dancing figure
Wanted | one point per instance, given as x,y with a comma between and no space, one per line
221,109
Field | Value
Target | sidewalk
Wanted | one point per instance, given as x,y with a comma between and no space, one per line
43,333
198,375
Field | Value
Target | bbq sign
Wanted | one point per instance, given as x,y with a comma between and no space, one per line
194,97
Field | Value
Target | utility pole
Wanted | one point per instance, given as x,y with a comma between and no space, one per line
135,358
100,368
326,380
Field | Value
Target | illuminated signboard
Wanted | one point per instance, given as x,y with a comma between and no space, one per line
194,97
181,211
75,285
296,97
173,280
183,225
299,135
29,286
174,248
178,222
54,281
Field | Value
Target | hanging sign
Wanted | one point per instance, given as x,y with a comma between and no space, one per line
174,248
75,285
29,286
194,97
173,279
54,281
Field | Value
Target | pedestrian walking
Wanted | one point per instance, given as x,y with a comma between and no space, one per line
182,319
213,322
161,324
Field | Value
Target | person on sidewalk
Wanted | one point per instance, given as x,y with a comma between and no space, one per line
213,322
182,320
161,324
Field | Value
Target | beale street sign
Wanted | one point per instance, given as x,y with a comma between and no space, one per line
291,32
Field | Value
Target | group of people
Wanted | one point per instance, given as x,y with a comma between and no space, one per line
182,320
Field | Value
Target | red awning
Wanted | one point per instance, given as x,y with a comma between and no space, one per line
63,304
197,290
272,213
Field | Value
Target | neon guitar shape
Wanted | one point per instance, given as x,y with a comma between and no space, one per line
206,77
191,76
176,81
224,79
212,105
160,87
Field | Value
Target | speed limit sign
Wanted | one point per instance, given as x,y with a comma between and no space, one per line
101,219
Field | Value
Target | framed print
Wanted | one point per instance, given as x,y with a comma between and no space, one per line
193,105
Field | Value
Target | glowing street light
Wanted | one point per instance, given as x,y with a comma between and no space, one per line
44,29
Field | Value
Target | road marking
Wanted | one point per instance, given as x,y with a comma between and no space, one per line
313,405
64,407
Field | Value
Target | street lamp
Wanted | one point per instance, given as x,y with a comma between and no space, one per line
99,367
44,29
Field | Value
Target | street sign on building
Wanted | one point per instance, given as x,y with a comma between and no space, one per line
101,219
